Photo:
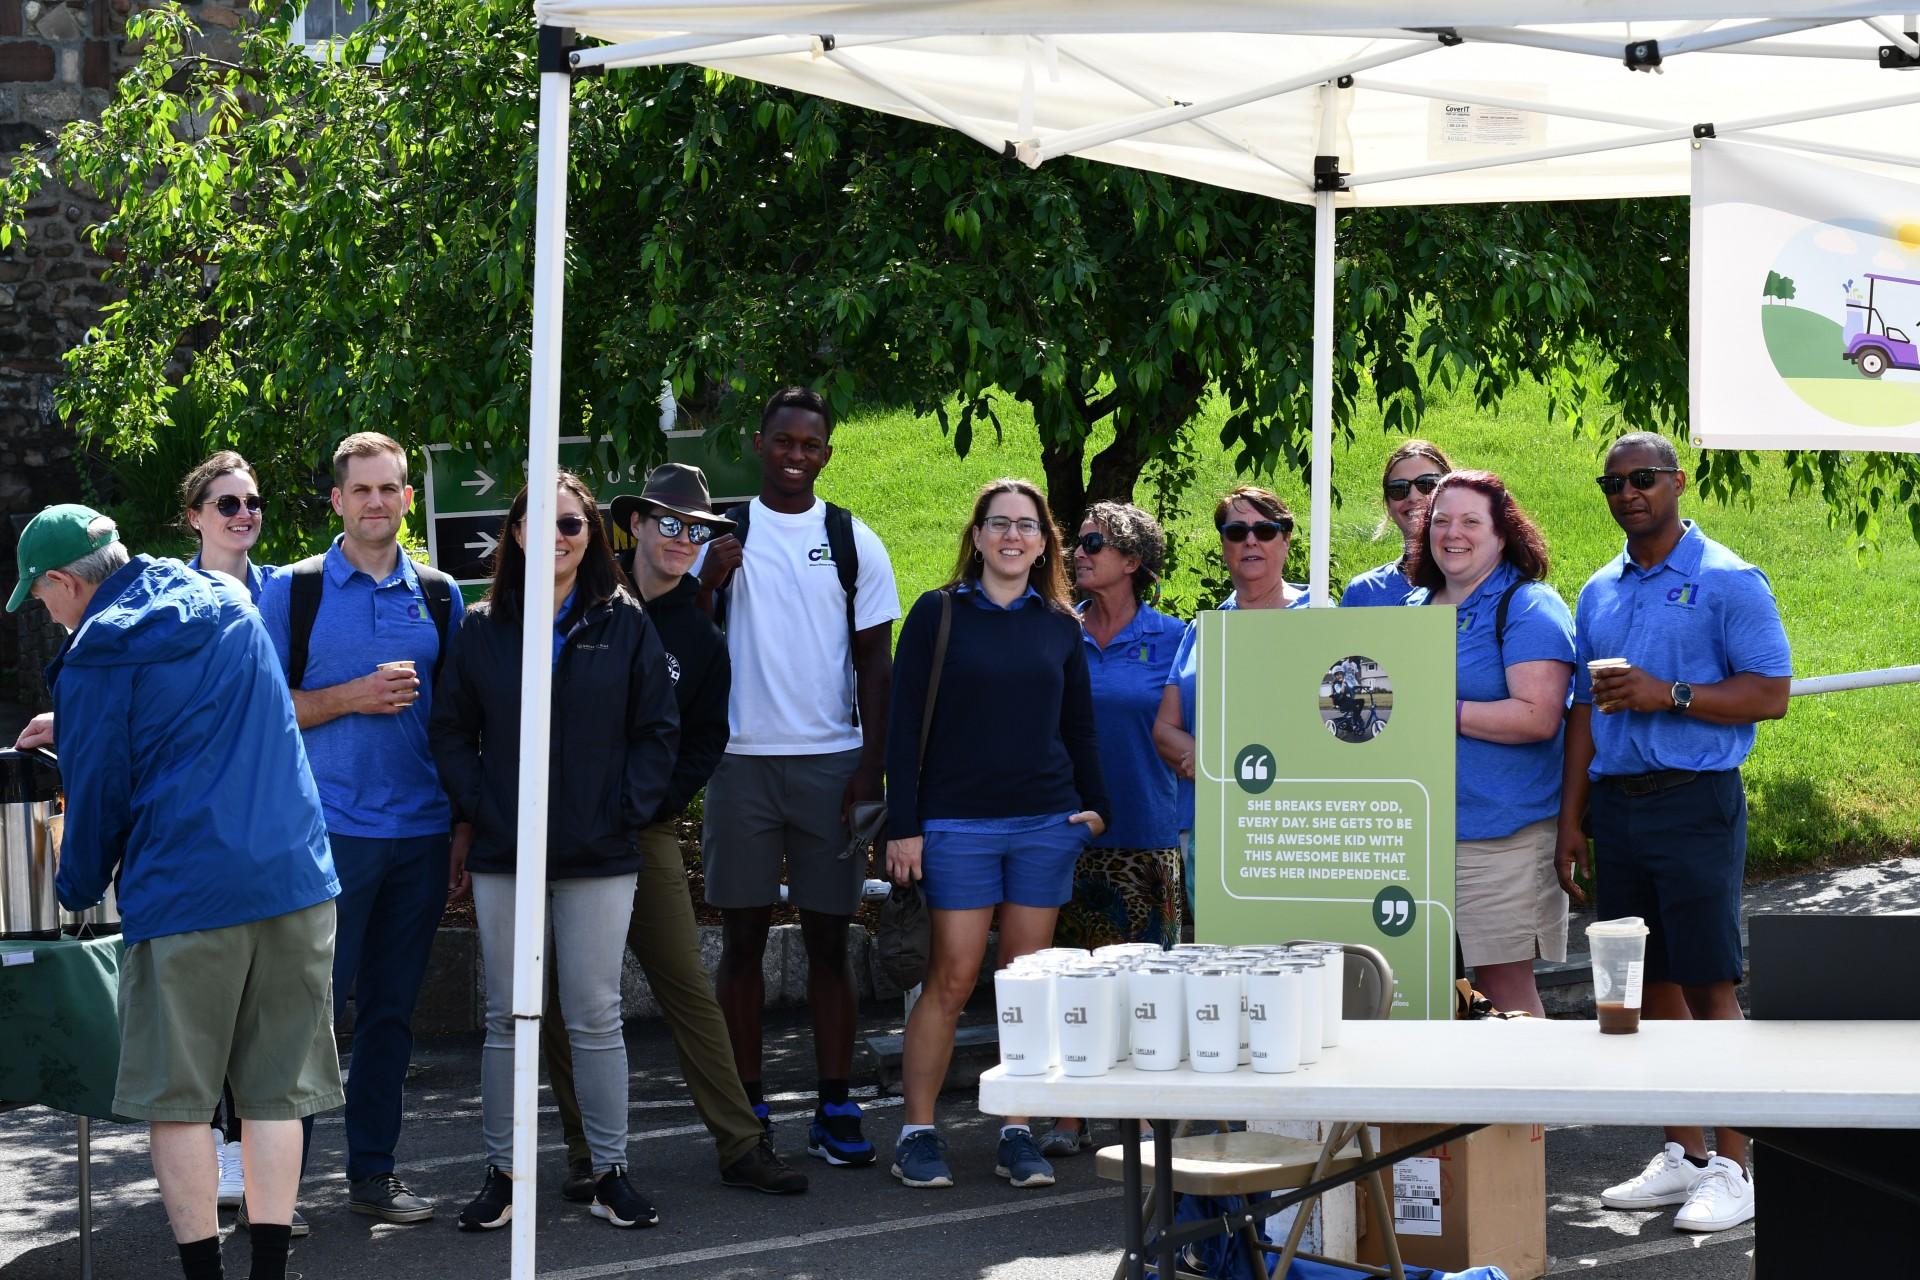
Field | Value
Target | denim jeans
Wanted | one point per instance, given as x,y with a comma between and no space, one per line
392,894
589,933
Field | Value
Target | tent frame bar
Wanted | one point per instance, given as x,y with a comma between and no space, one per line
1614,49
699,49
1035,152
1898,39
920,101
1832,149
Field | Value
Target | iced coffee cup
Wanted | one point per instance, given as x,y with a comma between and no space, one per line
1618,949
1597,665
404,664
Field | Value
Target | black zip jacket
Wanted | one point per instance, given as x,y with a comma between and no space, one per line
702,680
616,728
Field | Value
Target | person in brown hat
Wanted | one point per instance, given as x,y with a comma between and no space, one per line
670,521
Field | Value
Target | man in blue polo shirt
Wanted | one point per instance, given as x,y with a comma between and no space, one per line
1654,777
362,696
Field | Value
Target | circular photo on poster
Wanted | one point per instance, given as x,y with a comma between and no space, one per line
1356,699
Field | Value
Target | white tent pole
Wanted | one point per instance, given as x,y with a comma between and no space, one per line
1802,49
704,49
1612,47
1140,91
914,98
536,653
1899,39
664,46
1099,135
1320,502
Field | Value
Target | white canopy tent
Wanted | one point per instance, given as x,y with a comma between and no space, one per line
1337,103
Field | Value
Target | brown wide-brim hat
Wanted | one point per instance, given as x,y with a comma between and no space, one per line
677,489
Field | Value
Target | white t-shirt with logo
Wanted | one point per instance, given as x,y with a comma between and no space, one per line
787,634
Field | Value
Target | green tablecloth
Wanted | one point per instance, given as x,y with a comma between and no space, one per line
60,1024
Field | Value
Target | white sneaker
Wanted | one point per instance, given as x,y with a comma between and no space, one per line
1667,1179
1722,1198
233,1184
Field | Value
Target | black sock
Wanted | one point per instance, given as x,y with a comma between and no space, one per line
200,1259
1698,1162
270,1243
832,1091
755,1096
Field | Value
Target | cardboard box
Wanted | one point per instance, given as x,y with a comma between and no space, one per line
1478,1202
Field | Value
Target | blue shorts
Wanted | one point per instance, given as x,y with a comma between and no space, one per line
981,862
1676,858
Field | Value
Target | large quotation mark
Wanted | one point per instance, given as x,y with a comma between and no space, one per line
1255,768
1394,912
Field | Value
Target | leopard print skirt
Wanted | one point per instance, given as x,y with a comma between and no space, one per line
1122,895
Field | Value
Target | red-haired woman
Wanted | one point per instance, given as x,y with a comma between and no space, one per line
1008,793
1513,676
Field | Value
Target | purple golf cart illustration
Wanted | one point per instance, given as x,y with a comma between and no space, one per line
1873,345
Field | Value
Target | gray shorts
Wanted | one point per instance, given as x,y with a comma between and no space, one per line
766,811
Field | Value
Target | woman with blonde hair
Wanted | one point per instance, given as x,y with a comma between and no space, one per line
992,816
1407,483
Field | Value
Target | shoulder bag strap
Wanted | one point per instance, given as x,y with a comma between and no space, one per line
939,664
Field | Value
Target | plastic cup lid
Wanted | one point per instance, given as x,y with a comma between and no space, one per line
1626,927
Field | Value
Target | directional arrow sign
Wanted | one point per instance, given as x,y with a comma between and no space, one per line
480,483
483,542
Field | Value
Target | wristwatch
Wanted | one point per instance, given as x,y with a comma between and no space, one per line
1682,697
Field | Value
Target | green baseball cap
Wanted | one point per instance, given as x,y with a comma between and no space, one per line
54,539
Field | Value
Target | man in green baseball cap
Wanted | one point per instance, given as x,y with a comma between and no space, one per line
52,540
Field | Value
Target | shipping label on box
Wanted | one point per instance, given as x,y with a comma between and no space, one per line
1416,1197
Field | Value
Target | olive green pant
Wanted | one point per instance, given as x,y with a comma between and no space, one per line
665,939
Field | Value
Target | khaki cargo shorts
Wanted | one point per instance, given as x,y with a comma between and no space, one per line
251,1004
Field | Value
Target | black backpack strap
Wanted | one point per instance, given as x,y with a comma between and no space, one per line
1500,618
740,515
303,606
438,588
846,563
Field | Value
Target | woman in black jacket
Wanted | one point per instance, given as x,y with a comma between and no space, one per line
1008,794
615,730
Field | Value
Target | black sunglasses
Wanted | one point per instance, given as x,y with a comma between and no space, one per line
1398,489
567,526
1641,477
228,505
1092,542
1264,530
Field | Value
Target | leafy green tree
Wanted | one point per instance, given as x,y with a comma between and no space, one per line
310,248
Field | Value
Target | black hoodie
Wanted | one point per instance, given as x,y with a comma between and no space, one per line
703,678
615,730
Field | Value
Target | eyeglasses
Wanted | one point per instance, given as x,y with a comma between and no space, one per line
228,505
567,526
1641,478
670,528
1025,526
1264,530
1093,542
1398,489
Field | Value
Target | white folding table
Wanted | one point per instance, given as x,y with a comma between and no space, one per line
1745,1075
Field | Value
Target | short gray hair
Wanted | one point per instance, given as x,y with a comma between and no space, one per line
95,567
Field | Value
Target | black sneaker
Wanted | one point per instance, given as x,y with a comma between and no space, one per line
579,1184
385,1197
763,1170
615,1200
493,1207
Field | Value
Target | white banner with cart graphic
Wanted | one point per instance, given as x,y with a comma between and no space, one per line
1805,303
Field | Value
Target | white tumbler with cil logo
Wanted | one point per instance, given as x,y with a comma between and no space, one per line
1025,1003
1273,1008
1313,997
1084,1016
1120,1022
1333,974
1213,995
1157,994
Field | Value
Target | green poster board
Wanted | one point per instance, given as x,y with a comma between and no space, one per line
468,496
1323,786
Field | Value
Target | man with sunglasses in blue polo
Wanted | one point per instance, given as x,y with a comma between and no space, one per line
1688,656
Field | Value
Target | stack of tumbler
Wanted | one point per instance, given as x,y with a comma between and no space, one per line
1210,1008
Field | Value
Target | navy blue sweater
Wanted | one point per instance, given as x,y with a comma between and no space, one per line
1013,728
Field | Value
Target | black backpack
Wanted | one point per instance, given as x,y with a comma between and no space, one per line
309,580
846,563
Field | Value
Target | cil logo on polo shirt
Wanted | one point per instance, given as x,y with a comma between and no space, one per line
1466,622
1686,595
413,613
822,554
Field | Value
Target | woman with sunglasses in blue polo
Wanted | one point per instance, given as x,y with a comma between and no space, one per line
1256,536
220,506
1406,487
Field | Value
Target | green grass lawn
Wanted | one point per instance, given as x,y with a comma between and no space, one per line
1832,782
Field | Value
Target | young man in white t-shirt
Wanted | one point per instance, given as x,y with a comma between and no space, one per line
808,720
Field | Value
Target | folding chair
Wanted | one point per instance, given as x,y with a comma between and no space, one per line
1240,1164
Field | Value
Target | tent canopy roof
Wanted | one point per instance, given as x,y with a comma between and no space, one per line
1230,92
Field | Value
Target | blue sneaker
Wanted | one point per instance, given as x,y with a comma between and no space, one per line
920,1160
1019,1161
835,1135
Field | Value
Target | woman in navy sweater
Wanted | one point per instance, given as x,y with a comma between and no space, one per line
1008,794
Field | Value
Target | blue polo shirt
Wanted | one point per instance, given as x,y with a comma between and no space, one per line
376,776
1701,615
1500,787
1377,587
256,581
1129,676
1185,676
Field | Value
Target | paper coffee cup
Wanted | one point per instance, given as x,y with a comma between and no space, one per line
1603,664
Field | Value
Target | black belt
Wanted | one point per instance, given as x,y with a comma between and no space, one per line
1645,784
